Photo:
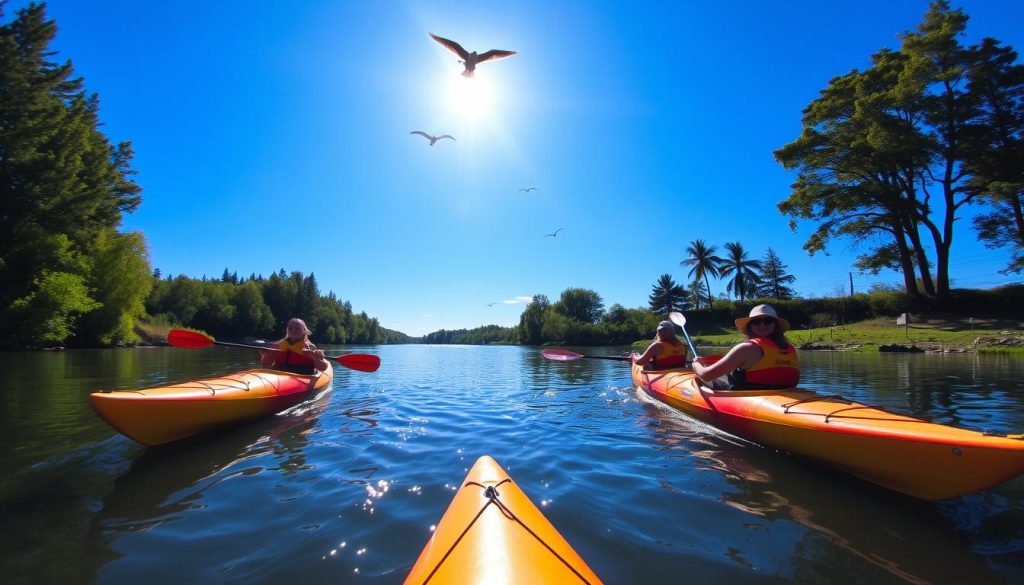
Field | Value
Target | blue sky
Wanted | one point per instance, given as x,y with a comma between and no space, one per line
272,135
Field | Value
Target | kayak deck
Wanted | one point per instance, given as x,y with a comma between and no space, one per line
911,455
492,533
162,414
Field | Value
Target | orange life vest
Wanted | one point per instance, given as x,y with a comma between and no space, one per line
291,358
777,368
672,355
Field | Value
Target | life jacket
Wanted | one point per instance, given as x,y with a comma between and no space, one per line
291,358
777,368
673,355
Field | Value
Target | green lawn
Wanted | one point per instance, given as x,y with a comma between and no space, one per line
933,333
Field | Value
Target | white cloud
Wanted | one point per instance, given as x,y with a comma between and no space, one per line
518,300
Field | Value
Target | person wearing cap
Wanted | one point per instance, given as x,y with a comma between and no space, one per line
295,352
667,351
765,360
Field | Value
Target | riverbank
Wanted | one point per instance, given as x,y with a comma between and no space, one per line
924,333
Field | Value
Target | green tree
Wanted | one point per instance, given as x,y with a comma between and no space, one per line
120,281
580,304
668,296
892,153
65,188
703,264
744,271
774,278
998,81
252,316
531,322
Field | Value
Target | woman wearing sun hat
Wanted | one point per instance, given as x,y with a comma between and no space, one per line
765,360
667,351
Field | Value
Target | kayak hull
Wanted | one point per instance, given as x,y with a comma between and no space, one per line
903,453
158,415
492,533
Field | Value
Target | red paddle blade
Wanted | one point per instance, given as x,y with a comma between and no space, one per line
561,355
363,362
189,339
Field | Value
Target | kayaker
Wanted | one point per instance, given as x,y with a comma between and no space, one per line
667,351
298,354
765,360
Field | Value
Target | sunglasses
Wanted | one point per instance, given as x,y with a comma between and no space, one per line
765,321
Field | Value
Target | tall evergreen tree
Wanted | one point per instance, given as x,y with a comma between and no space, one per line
774,278
63,190
668,296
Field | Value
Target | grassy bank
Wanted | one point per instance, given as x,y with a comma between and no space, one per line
925,332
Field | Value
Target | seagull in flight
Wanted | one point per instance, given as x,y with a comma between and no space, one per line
554,233
528,189
470,60
432,139
490,304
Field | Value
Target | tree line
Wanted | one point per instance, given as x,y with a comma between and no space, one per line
68,276
578,317
260,307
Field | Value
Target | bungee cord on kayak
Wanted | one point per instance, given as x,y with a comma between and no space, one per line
493,497
476,543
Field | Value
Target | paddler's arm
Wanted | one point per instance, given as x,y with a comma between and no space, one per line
267,358
317,355
652,350
742,355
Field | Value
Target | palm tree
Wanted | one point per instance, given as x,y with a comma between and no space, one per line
668,296
704,263
746,272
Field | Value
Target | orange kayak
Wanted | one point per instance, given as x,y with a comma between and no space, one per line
492,533
910,455
162,414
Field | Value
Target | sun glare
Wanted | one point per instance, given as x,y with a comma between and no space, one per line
470,98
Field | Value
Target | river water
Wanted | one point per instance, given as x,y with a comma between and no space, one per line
346,488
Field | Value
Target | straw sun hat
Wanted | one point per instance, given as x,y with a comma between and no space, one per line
762,311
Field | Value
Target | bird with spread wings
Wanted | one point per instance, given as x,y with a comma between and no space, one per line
470,59
432,139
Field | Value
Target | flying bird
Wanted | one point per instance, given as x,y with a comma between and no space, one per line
528,189
470,60
490,304
432,139
554,233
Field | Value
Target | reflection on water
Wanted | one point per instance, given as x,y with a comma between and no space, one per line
346,488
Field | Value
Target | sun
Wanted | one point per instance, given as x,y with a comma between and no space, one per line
470,98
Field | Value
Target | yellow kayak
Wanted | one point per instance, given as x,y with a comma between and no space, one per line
162,414
917,457
492,533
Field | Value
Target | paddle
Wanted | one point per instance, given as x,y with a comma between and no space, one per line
680,319
194,340
564,355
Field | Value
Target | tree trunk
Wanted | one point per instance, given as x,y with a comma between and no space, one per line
906,262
